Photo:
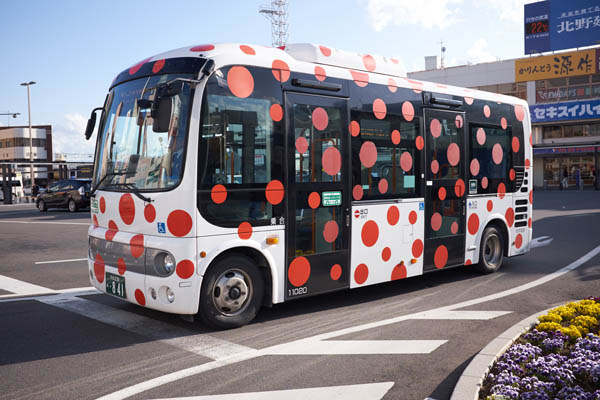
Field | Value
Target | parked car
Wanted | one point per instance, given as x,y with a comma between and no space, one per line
71,194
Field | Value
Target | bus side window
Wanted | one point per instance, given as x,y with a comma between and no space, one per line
491,157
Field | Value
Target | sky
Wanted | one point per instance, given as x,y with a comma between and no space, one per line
73,49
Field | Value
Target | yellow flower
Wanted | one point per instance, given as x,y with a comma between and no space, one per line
551,317
549,326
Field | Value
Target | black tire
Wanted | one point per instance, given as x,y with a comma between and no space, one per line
491,250
241,277
41,205
71,205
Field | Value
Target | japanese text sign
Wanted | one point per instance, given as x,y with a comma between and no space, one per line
556,66
574,110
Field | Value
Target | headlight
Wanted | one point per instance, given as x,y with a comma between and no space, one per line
170,295
164,263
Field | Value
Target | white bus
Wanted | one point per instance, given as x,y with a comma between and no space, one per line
228,177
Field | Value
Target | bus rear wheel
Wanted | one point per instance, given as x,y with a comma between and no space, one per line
231,294
491,252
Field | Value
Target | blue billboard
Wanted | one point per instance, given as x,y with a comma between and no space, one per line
572,110
559,24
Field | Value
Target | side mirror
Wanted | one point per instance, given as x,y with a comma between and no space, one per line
161,114
91,124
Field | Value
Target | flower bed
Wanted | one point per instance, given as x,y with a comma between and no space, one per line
558,359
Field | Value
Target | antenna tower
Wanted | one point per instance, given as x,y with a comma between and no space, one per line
278,15
443,50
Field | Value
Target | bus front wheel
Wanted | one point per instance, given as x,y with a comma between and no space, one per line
491,252
231,294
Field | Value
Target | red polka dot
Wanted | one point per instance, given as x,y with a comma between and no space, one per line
361,273
440,258
436,221
527,163
330,231
121,266
99,268
369,63
435,166
149,213
369,233
382,186
331,161
368,154
247,50
486,111
484,182
469,100
459,188
392,85
529,222
360,78
240,81
395,136
274,192
519,112
102,205
501,190
354,128
417,248
474,167
408,111
299,271
458,121
419,142
245,230
320,73
454,228
395,61
393,215
185,269
158,65
399,272
133,70
136,246
473,224
480,136
139,297
218,194
326,51
95,221
301,145
335,272
276,112
386,254
531,197
416,86
453,154
531,139
357,192
435,128
320,119
510,217
512,174
468,262
497,153
406,161
515,144
442,193
314,200
503,123
203,47
281,71
179,223
412,217
127,209
112,230
379,109
490,205
518,241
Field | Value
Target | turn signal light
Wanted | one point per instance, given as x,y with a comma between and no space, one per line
273,240
413,261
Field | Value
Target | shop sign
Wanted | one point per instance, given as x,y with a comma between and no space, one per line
572,93
564,150
556,66
574,110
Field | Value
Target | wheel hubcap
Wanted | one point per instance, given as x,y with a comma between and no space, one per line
231,292
492,251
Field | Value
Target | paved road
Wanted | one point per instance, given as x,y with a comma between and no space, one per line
409,339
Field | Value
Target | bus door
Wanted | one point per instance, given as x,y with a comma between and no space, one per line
318,194
445,200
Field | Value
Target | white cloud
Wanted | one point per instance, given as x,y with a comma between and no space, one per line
506,10
429,13
479,53
68,137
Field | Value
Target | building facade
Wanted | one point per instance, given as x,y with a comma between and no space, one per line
14,148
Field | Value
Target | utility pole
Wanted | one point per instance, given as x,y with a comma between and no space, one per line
30,137
8,114
278,15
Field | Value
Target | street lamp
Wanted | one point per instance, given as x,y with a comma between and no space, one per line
30,138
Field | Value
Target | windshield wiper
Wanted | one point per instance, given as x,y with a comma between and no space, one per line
102,180
134,189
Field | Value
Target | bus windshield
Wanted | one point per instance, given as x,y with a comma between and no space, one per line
130,153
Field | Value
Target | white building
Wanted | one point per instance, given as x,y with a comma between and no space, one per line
14,148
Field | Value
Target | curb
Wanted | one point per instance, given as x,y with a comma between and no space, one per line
470,381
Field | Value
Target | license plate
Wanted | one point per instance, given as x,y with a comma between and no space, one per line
115,285
94,205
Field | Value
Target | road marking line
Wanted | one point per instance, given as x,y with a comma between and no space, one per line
59,261
474,315
81,291
46,222
184,373
20,288
368,391
337,347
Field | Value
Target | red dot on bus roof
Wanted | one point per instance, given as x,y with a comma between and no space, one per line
474,167
361,273
139,297
247,50
136,245
515,144
299,271
458,121
382,186
179,223
369,63
435,166
497,153
395,136
519,112
357,192
330,231
360,78
320,73
392,87
393,215
386,254
469,100
473,224
406,161
314,200
121,267
512,174
519,241
399,272
480,136
102,205
510,217
335,272
240,81
149,213
274,192
412,217
158,65
436,221
301,145
320,119
379,109
354,128
244,230
368,154
218,194
127,209
133,70
440,258
99,268
95,221
185,269
419,142
490,205
442,193
203,47
331,161
408,111
503,123
369,233
281,71
453,154
276,112
326,51
459,188
416,86
454,228
112,230
395,61
417,248
435,128
501,190
486,111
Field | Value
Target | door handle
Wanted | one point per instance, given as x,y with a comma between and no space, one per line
347,220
